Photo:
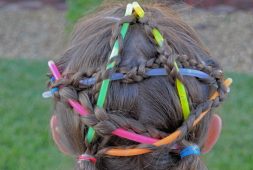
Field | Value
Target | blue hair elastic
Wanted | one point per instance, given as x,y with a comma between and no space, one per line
151,72
190,150
50,93
52,79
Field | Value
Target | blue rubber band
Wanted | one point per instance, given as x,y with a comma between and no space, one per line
55,89
52,79
119,76
50,93
152,72
190,150
157,72
193,73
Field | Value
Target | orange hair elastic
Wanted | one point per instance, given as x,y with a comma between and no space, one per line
167,140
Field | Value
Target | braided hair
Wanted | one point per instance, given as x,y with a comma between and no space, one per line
149,106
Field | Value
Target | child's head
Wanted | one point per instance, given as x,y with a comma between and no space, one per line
138,102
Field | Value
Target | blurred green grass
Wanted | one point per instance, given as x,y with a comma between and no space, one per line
78,8
25,141
234,148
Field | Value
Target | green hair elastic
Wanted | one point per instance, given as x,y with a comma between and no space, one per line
110,65
180,86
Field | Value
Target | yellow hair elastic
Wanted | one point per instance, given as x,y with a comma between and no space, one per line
138,9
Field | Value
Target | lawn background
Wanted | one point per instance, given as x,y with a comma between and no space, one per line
25,141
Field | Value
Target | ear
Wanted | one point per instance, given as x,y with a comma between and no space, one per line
213,133
56,135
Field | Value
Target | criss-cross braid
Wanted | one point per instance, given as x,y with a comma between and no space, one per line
99,118
167,58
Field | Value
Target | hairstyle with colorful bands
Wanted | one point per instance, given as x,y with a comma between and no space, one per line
160,40
85,92
84,112
115,52
169,139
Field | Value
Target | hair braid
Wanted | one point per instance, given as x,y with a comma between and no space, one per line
105,123
167,56
116,35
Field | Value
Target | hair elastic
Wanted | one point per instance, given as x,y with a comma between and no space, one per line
190,150
52,79
50,93
113,18
151,72
183,99
54,70
158,36
137,8
78,107
133,136
86,157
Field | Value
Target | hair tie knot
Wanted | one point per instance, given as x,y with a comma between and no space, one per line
86,157
190,150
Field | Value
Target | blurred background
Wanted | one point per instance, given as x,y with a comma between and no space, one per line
33,31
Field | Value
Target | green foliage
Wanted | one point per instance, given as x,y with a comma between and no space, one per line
78,8
25,141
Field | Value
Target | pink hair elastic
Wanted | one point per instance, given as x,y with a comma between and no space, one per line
133,136
86,157
54,70
78,107
84,112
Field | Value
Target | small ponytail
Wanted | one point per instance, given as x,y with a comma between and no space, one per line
86,162
190,159
190,150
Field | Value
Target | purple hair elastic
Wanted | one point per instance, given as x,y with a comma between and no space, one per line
151,72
